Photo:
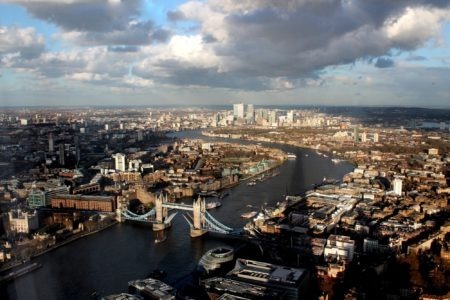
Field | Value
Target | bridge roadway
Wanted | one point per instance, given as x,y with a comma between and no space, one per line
179,206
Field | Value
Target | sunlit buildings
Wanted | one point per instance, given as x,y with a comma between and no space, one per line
398,186
39,198
340,247
80,202
238,110
119,162
292,282
22,222
250,116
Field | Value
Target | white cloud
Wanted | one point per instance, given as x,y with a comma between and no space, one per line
415,25
247,45
85,76
24,41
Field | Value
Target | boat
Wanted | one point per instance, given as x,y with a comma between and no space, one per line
291,156
160,240
251,183
208,194
214,204
336,160
249,215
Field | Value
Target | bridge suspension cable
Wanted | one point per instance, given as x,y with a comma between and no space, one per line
213,220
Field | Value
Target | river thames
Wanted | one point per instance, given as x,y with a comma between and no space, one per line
106,261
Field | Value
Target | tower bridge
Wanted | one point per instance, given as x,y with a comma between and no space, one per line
200,221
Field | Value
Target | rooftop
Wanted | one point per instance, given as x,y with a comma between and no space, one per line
266,272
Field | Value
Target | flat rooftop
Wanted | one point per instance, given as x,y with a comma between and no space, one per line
239,288
266,273
83,197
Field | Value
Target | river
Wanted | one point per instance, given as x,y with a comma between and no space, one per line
106,261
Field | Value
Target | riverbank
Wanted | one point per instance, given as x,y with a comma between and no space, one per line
58,245
287,143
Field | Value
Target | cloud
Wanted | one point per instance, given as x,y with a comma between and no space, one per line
82,15
237,44
134,33
123,48
384,63
297,39
416,58
22,43
97,22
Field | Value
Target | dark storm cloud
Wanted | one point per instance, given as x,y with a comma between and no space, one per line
98,22
384,63
137,33
242,44
95,15
183,75
314,35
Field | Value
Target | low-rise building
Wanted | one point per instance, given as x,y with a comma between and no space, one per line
291,282
340,247
80,202
22,222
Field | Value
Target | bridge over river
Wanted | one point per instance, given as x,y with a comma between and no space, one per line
200,221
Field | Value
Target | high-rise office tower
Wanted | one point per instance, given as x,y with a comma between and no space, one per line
250,113
140,135
51,146
364,137
290,117
119,161
376,137
356,134
62,160
238,110
398,186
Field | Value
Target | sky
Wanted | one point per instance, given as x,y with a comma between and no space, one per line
173,52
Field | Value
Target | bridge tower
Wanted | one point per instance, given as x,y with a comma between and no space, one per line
199,218
161,214
119,215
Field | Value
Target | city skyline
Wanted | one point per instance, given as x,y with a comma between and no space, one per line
77,52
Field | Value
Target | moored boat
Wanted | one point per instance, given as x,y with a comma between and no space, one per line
291,156
249,215
214,204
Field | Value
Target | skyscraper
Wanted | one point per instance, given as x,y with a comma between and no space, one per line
376,137
364,137
51,146
398,186
62,160
140,135
238,110
290,117
356,134
250,113
119,162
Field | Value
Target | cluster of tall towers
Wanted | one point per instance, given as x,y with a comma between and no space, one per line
239,111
